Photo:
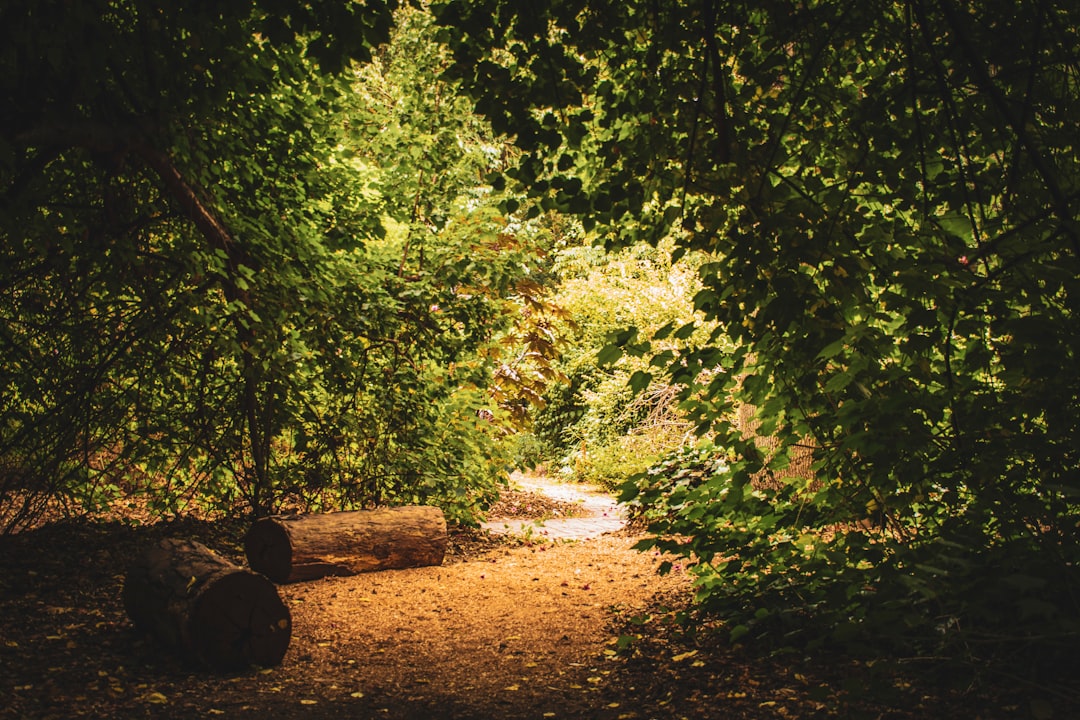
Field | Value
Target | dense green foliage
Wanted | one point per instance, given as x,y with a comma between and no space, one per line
888,192
594,426
251,253
239,266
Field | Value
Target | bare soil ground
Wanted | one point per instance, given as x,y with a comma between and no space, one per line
506,628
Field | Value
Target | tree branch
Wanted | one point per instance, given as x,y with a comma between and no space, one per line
112,139
987,85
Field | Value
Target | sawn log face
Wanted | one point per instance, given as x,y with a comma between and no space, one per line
304,547
210,611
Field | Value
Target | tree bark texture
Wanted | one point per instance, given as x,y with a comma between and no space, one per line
212,612
305,547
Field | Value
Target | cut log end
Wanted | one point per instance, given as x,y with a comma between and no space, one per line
240,621
268,549
207,609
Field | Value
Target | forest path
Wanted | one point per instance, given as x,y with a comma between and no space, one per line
520,625
509,627
526,630
599,511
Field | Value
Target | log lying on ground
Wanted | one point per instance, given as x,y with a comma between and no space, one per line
305,547
211,611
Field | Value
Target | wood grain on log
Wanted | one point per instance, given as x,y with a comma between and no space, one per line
204,607
304,547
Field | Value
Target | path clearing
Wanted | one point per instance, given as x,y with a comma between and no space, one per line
520,632
516,630
507,629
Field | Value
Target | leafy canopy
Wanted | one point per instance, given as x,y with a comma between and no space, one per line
216,286
888,192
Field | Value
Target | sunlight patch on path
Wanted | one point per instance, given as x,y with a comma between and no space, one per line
601,514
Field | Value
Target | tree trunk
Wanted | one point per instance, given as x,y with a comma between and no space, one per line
305,547
209,610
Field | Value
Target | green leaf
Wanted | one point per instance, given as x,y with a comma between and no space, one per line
639,381
609,354
685,331
664,331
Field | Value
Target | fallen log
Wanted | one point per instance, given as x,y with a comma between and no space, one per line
305,547
210,611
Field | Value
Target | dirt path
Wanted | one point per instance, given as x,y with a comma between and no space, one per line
519,633
518,630
508,628
599,512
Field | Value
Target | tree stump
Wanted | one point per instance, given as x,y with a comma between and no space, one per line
211,611
305,547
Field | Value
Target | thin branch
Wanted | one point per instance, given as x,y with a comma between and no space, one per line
110,139
809,68
987,85
721,118
113,139
952,115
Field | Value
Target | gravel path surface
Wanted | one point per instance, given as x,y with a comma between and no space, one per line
600,513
